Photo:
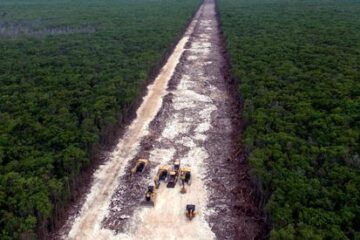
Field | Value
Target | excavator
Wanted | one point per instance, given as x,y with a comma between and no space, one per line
172,179
150,196
176,166
185,177
190,211
139,167
174,175
161,175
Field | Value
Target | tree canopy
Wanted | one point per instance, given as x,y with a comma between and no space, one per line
297,68
68,70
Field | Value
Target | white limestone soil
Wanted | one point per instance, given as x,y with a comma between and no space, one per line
166,220
188,118
190,115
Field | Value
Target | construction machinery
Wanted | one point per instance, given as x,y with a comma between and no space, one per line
172,179
140,166
161,175
185,175
176,166
190,211
150,196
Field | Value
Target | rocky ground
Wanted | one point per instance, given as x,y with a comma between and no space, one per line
198,123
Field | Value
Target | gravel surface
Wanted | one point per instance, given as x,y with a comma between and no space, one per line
191,116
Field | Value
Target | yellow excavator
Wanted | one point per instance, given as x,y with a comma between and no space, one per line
176,166
139,167
161,175
150,196
185,177
172,179
190,211
174,174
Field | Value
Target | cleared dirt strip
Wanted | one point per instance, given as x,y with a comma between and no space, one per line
188,114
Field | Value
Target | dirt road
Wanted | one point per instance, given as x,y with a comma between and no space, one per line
188,114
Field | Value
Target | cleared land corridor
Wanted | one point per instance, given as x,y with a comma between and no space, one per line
188,114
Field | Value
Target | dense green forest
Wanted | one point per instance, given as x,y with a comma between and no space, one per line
297,65
68,69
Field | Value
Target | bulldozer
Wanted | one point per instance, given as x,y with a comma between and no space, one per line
172,179
190,211
161,175
150,196
139,167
